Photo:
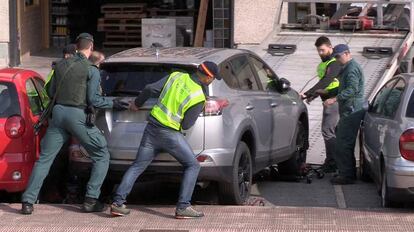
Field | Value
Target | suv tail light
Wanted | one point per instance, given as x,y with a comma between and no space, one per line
15,126
407,145
215,106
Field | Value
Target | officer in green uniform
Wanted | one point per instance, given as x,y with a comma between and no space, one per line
350,100
75,84
327,87
180,101
68,52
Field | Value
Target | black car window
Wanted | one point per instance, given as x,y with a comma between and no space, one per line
410,107
228,77
379,100
9,100
265,74
131,79
243,72
34,99
393,99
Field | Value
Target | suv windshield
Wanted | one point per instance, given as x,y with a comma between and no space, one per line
9,103
130,79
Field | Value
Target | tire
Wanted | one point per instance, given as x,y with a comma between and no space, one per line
238,191
293,165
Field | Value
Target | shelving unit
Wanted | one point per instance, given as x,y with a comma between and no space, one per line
59,21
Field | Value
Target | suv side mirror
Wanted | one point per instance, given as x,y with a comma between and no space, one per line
284,84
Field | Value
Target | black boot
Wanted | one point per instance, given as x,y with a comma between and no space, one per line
27,208
92,205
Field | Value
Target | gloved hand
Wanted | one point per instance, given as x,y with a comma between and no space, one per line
119,104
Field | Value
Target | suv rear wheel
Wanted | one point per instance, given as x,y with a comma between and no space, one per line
238,191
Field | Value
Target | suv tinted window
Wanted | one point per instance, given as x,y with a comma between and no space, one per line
34,99
264,73
228,77
130,79
9,101
242,71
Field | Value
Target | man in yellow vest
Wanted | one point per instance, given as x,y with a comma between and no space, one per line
181,98
327,87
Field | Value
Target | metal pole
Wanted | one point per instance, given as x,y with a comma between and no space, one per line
412,17
14,52
380,15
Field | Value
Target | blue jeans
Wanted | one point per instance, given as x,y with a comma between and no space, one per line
157,139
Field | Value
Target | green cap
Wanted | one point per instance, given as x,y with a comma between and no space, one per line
84,36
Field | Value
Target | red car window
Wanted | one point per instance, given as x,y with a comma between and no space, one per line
34,99
9,103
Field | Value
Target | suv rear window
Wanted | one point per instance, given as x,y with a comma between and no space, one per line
130,79
9,103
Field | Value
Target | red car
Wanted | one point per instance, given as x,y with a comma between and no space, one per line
22,100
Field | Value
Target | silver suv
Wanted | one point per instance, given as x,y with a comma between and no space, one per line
252,119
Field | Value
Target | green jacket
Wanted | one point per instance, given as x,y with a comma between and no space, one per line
351,89
72,88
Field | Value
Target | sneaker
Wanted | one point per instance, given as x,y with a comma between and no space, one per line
27,208
92,205
188,213
340,180
119,210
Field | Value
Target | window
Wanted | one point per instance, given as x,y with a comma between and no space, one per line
265,74
9,101
40,86
228,77
242,71
388,99
410,107
34,99
127,80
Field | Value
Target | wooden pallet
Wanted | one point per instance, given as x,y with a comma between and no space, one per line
107,21
119,27
123,8
122,37
126,15
153,12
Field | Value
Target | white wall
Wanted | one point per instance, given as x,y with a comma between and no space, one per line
4,32
253,20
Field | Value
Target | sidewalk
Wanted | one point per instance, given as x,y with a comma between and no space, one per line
218,218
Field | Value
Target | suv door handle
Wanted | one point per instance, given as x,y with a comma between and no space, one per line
249,107
273,104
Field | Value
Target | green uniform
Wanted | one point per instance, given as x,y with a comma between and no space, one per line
79,87
350,101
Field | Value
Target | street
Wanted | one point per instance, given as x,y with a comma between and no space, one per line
289,206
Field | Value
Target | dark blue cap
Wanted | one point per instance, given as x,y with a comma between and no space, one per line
84,36
210,69
339,49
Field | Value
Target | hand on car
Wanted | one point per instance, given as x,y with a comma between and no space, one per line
119,104
132,106
302,96
329,101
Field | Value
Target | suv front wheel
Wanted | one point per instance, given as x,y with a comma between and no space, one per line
238,191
